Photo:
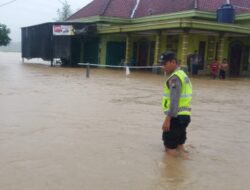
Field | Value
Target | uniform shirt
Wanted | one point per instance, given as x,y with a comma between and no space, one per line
174,84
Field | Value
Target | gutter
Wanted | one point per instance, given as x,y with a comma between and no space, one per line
174,24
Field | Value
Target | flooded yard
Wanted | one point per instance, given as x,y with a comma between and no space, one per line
60,130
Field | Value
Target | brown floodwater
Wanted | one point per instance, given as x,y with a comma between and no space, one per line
61,131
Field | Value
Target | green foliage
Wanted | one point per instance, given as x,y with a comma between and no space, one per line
65,12
4,32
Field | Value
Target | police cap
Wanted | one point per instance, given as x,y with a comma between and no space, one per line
167,56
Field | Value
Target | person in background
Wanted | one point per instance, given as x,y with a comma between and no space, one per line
175,104
214,68
194,61
223,69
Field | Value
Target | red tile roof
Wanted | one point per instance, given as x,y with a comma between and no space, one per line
156,7
124,8
96,7
120,8
111,8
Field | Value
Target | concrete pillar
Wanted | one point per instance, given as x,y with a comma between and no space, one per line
157,48
128,49
185,39
221,49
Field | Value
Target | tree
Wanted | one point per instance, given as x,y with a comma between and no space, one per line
4,32
65,12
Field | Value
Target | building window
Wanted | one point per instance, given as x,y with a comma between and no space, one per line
246,58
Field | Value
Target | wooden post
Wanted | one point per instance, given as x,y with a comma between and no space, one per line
51,62
88,71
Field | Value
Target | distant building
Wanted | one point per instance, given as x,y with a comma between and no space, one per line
137,31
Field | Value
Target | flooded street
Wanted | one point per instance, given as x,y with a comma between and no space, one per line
61,131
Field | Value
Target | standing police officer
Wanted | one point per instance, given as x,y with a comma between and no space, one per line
176,104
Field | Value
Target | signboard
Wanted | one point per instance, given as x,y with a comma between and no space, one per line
63,30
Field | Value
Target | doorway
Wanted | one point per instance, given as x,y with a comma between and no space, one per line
115,53
235,59
91,51
75,51
143,53
152,54
202,49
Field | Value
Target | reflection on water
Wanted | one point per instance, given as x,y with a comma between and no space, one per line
59,130
174,174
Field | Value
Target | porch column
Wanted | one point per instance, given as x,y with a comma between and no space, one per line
185,38
128,49
221,49
157,48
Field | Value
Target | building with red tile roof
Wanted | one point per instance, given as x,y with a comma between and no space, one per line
135,32
142,29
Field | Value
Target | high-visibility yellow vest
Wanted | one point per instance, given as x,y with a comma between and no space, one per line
186,94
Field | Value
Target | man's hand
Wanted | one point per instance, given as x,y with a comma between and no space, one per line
166,124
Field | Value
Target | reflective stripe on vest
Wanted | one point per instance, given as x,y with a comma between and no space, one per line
185,97
182,96
181,110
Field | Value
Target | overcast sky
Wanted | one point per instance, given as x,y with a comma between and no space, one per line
22,13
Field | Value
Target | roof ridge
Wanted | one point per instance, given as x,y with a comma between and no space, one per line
135,8
105,8
196,4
